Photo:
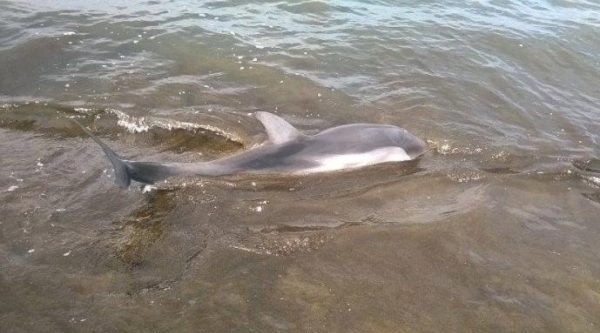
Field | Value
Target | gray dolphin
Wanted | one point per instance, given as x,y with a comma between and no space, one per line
287,151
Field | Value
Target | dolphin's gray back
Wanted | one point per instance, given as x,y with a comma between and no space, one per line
304,153
360,138
269,158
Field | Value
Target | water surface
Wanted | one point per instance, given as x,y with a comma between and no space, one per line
495,229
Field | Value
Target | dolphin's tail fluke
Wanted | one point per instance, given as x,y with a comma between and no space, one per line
125,171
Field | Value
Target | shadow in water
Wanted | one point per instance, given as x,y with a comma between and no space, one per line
143,228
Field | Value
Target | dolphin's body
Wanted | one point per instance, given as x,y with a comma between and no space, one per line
287,152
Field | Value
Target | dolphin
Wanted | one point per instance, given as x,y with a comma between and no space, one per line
287,151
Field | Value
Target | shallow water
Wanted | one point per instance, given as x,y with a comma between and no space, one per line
495,229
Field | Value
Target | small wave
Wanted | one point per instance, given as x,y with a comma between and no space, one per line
465,176
278,244
445,147
144,124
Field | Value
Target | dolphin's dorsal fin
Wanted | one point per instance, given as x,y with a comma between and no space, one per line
279,130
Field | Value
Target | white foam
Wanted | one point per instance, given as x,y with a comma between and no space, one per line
148,188
82,110
133,126
143,124
593,180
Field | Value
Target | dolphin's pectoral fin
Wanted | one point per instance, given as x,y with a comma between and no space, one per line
279,130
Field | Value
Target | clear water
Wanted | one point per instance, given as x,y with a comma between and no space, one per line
496,229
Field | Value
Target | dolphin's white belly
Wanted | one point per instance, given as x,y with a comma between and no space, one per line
352,161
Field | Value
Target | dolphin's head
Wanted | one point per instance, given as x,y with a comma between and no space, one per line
412,145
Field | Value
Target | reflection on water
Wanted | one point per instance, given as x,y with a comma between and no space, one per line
495,229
